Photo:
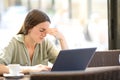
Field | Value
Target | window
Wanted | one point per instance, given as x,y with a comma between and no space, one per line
83,22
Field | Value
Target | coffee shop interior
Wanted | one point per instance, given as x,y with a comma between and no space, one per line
84,23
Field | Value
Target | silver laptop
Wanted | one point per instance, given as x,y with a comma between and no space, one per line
73,59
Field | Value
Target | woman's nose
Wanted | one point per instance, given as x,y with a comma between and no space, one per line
44,34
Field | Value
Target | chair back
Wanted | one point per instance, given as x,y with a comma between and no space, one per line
105,58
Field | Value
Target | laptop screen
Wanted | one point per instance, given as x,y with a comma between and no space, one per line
73,59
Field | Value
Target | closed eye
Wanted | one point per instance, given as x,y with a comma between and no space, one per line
42,30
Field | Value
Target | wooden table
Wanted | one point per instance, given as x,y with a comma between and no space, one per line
26,77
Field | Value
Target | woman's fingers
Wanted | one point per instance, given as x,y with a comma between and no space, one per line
54,32
41,67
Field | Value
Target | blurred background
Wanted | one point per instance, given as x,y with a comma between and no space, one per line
83,22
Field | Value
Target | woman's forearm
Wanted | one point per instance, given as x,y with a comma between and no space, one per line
36,68
25,69
3,69
63,43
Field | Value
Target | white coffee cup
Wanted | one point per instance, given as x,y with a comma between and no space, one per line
14,69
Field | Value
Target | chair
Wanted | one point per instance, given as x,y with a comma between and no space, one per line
105,58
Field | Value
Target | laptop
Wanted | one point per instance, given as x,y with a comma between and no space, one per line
73,59
67,60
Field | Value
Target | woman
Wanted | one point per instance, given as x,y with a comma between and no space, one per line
29,47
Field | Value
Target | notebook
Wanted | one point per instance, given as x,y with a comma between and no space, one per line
73,59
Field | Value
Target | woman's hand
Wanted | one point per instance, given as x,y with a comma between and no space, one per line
59,36
39,68
55,32
36,68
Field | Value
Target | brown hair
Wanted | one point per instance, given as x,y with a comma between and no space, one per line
33,18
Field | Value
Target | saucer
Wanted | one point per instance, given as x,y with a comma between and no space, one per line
20,75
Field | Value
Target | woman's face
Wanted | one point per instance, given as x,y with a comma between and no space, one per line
38,32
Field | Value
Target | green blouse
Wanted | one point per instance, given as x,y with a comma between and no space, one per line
16,52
